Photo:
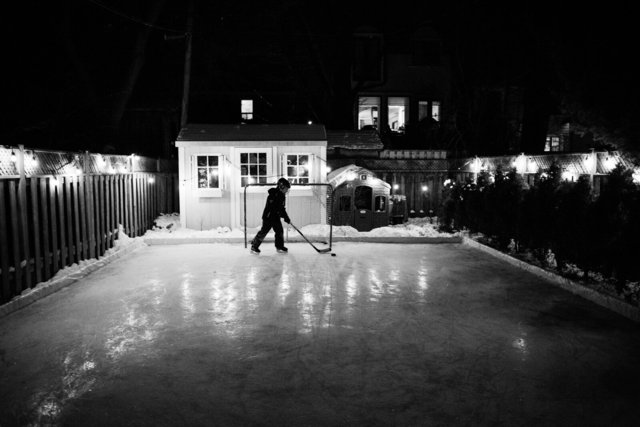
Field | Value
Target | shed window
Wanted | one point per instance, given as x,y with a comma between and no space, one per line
345,203
253,168
297,168
208,171
362,197
380,204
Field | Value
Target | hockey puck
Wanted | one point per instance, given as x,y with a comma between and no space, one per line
333,254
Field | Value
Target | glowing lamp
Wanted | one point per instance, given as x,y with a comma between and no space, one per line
425,188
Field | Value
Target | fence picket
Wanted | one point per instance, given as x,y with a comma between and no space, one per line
54,227
46,249
36,228
63,217
4,247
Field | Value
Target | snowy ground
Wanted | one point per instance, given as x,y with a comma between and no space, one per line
168,227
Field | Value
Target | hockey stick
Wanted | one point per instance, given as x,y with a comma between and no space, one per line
320,251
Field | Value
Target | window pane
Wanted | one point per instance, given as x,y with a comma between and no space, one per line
435,110
213,180
244,181
262,158
201,160
398,109
302,171
262,170
303,180
292,160
304,160
291,171
423,110
253,158
368,107
381,204
262,180
213,160
244,170
244,158
202,178
253,170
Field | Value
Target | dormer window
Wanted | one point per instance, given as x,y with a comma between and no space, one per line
246,109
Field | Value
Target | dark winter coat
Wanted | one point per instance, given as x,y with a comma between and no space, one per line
275,206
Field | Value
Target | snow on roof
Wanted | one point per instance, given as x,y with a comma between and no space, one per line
249,132
349,173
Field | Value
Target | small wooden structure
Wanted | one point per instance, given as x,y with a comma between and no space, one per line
360,199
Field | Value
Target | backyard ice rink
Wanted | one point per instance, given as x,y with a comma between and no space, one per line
381,334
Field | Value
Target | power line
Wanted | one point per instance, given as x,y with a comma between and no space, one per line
136,20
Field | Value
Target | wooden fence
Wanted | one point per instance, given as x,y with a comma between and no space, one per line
49,222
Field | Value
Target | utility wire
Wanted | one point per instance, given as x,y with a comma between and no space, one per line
136,20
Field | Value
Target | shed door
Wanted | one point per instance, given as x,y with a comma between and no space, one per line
363,203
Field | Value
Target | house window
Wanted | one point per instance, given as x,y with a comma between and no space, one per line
362,197
398,113
368,108
435,110
428,109
380,204
297,168
552,144
208,171
246,109
253,168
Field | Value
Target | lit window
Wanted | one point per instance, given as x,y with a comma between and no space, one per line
380,204
435,110
253,168
208,171
398,113
297,168
552,144
368,108
246,109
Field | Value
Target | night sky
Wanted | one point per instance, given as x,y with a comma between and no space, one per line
68,64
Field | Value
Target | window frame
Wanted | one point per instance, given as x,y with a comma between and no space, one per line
249,151
208,191
246,115
294,179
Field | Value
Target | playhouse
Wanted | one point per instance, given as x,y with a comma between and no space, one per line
360,199
226,170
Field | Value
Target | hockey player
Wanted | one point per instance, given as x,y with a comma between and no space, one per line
274,210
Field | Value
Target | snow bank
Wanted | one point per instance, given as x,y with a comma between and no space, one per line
167,226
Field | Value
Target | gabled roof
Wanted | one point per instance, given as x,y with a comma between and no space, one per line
249,132
349,173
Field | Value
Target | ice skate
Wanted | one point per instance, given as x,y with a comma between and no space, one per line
255,250
282,250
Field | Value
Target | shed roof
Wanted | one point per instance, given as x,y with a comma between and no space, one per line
354,140
398,165
249,132
346,173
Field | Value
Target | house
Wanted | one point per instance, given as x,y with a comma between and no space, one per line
225,171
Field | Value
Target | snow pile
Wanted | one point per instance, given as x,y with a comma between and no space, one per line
168,226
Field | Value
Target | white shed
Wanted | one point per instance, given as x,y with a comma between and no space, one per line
217,162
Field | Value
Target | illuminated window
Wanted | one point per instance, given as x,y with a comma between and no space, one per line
380,204
552,144
297,168
435,110
368,108
423,110
208,171
253,168
246,109
398,113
